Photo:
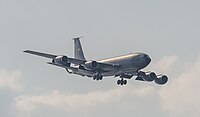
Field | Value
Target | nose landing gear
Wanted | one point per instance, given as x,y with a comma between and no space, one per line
122,82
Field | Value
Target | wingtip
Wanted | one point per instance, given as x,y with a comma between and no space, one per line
25,50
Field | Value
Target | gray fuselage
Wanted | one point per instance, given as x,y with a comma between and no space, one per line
130,63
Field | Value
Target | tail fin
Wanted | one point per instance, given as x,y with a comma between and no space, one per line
78,51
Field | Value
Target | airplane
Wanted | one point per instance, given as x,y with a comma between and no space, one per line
123,67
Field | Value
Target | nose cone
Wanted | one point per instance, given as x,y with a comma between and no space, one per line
147,59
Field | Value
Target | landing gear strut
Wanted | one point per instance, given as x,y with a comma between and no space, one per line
97,77
122,82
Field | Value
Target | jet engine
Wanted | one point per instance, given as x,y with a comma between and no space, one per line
62,60
149,76
161,79
91,65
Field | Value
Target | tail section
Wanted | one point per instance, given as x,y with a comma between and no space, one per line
78,51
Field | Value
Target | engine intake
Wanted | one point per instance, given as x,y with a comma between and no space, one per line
161,80
63,60
149,76
91,65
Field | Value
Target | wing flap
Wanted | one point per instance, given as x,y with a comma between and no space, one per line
76,70
63,66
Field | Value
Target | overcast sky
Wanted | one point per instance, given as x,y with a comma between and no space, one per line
166,30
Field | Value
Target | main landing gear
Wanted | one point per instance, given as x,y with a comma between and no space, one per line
97,77
122,82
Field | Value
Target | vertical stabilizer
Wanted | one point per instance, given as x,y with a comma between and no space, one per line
78,51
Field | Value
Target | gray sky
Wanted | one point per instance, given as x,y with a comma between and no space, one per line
167,30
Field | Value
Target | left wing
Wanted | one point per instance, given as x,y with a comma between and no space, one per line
51,56
41,54
94,66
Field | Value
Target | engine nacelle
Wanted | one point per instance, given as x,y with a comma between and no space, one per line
63,60
91,65
161,80
149,76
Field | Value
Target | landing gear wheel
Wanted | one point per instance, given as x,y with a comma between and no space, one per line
97,77
119,82
122,82
125,82
100,77
94,77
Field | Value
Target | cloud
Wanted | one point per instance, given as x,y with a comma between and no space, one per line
10,80
115,100
56,99
165,64
181,96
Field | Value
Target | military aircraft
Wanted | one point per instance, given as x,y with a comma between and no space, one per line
123,67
